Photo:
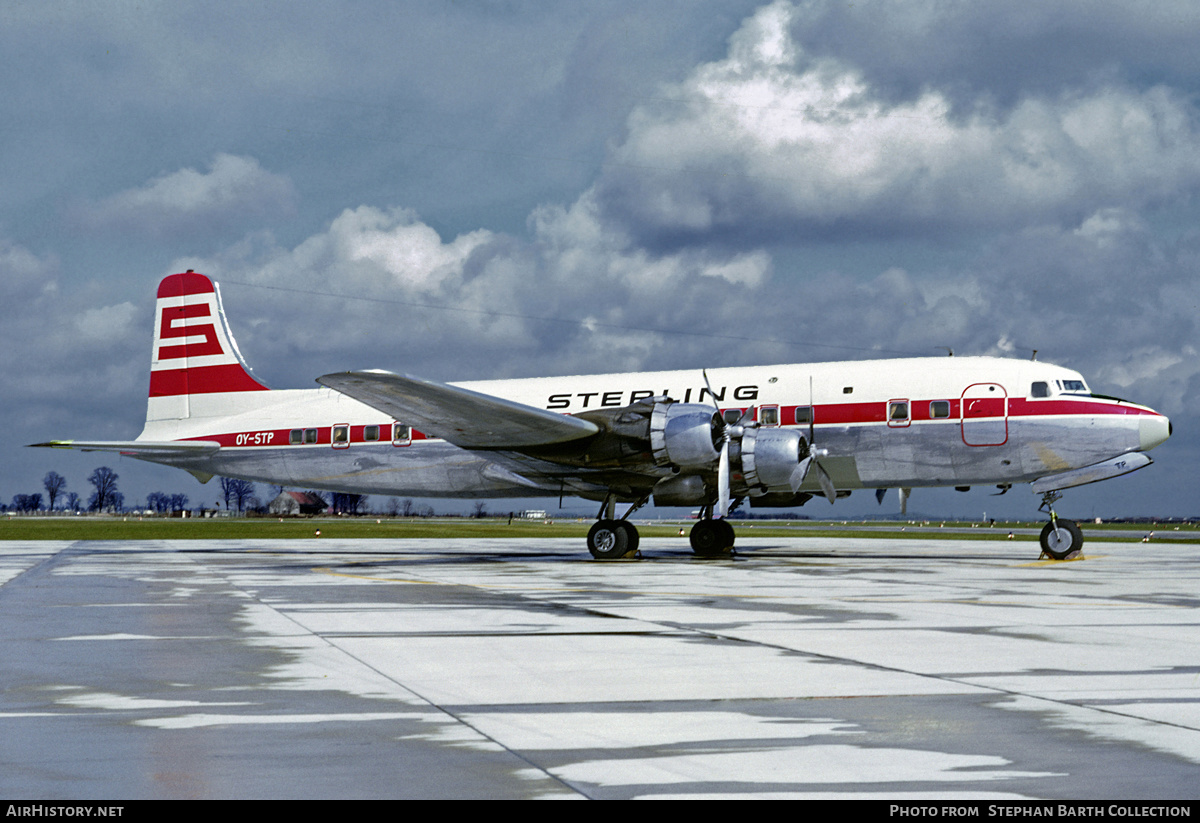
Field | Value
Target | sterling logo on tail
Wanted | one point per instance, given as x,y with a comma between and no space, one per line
193,354
173,325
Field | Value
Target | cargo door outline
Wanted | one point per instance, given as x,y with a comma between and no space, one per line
984,415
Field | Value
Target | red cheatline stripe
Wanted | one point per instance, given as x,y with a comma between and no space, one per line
282,437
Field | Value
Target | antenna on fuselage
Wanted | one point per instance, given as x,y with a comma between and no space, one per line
1034,358
947,348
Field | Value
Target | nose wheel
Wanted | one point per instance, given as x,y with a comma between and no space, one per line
1060,538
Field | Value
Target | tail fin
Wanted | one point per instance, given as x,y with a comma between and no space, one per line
195,367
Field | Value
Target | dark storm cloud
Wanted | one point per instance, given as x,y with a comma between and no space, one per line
996,53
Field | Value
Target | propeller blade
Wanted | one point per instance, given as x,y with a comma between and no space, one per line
712,397
799,473
904,493
879,495
825,483
723,480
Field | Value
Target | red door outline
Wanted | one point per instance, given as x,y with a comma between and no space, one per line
984,415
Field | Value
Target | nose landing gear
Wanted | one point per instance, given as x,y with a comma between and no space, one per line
1061,539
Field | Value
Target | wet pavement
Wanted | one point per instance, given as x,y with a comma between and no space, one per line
802,667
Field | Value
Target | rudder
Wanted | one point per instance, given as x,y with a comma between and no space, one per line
194,362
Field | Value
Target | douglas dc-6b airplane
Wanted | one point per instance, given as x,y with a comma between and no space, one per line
773,435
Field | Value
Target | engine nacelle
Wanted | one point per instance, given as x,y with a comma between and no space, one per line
681,490
685,435
769,456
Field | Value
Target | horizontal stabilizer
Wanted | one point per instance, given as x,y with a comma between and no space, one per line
1094,473
137,448
466,418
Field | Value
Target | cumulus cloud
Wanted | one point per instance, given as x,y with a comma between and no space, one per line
770,143
232,191
387,290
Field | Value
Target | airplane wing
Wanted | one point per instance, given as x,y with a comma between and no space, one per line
468,419
137,448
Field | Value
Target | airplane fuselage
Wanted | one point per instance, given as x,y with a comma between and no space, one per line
884,423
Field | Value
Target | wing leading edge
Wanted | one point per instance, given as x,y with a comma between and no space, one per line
468,419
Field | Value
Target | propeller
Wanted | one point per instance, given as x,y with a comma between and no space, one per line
810,463
729,430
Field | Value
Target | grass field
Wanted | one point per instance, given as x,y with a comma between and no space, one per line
360,528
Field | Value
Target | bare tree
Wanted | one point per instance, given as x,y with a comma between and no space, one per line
26,503
347,503
105,497
480,509
237,491
54,483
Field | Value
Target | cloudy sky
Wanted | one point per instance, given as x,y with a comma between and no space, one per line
468,190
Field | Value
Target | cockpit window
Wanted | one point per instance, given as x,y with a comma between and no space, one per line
1040,389
1074,386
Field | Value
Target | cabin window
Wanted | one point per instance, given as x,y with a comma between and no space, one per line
296,436
768,416
1039,389
370,433
939,409
310,435
848,390
341,435
804,415
897,413
401,435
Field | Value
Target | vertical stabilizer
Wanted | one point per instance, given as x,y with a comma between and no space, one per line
195,367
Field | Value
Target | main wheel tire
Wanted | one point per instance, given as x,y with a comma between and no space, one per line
608,540
727,533
711,538
631,536
1061,538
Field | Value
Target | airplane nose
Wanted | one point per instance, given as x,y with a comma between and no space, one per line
1152,430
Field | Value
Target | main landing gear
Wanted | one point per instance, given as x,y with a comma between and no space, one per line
711,538
1061,538
611,539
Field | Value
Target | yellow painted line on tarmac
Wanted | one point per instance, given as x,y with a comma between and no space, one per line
1051,562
